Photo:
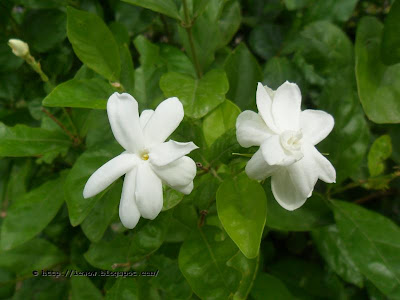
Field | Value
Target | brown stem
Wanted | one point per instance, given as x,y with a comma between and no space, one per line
61,125
375,195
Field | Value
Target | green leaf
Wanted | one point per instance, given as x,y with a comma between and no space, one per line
373,242
83,288
268,287
210,251
100,217
127,76
31,213
43,287
378,84
332,249
37,254
171,198
122,249
84,93
44,28
123,289
93,43
166,7
338,11
295,4
8,61
220,120
22,140
242,209
266,40
390,47
243,73
277,70
313,214
380,150
199,96
84,167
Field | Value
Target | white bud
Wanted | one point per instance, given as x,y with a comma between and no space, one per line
19,48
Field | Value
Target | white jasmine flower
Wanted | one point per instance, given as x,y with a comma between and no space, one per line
148,160
19,48
286,136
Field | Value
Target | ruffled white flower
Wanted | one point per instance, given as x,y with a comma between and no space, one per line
148,160
286,136
18,47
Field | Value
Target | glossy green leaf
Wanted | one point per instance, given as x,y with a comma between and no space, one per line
171,198
338,11
105,209
266,40
243,73
166,7
332,249
93,43
390,47
84,93
83,288
242,209
22,140
127,76
313,214
373,242
198,96
220,120
208,250
37,254
380,150
378,84
268,287
31,213
123,289
277,70
84,167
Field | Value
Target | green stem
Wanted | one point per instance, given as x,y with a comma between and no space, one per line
36,67
188,27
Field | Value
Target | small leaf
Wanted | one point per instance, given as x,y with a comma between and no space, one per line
373,242
199,96
93,43
166,7
380,150
85,93
242,209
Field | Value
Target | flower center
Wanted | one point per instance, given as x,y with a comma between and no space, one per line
291,140
144,155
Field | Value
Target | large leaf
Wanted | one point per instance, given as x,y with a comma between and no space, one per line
199,96
378,84
30,214
210,251
243,73
373,242
123,289
22,140
37,254
331,247
166,7
268,287
85,93
242,209
390,47
83,288
84,167
93,43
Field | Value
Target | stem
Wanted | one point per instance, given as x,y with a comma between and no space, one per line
188,27
70,121
51,116
36,67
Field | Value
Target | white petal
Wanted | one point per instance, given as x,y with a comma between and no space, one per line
178,173
149,193
315,125
145,117
286,107
122,110
186,189
257,168
251,129
165,119
165,153
274,154
326,172
264,105
128,210
108,173
286,193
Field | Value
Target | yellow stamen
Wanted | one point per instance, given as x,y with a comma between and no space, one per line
145,156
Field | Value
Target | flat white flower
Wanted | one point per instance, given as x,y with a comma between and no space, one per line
148,160
286,136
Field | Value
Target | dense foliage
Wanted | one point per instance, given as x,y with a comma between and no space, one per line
229,238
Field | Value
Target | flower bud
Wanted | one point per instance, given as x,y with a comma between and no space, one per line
19,48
